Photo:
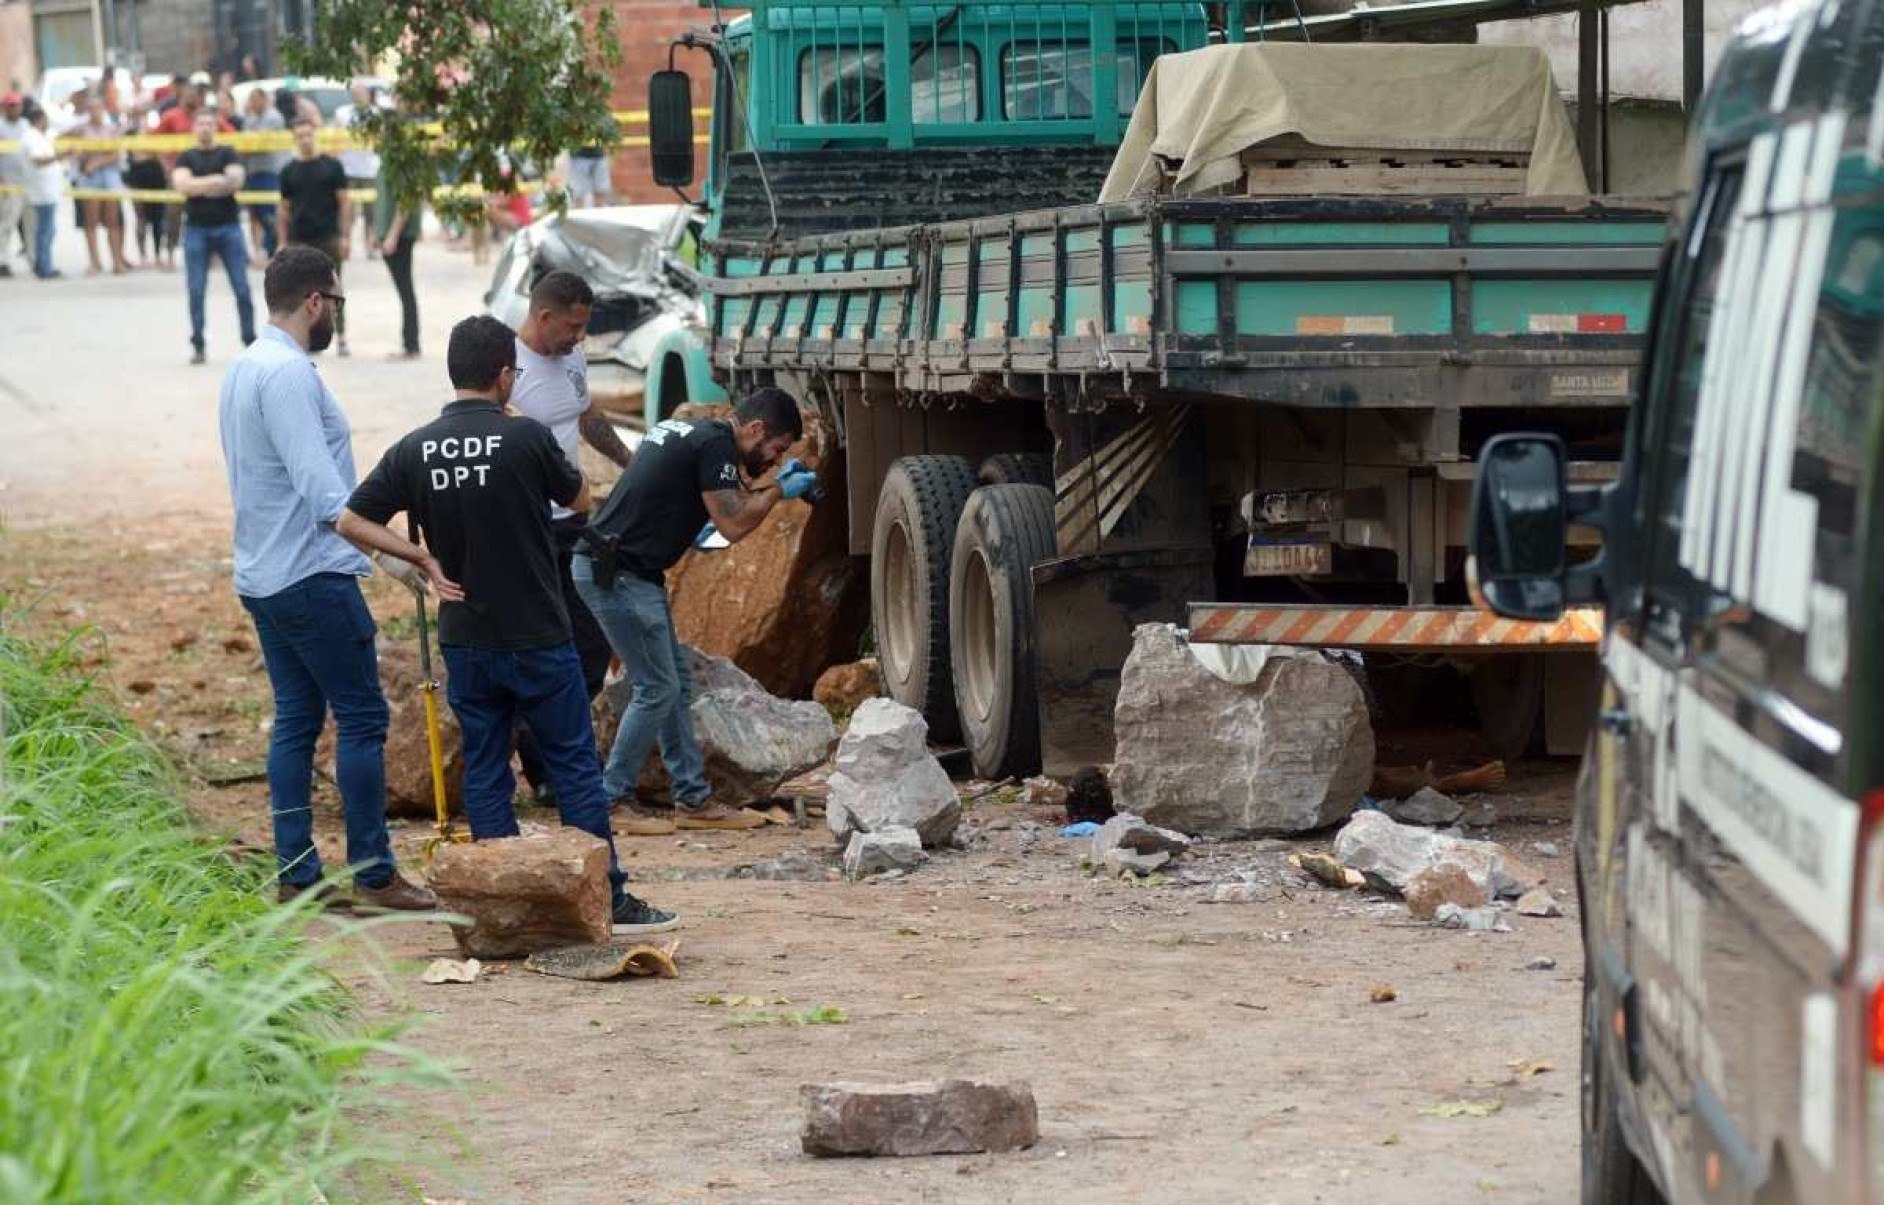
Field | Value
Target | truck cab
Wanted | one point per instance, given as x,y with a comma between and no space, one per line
1729,849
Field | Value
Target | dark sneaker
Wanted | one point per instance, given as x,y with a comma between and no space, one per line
543,795
331,897
399,895
634,917
713,816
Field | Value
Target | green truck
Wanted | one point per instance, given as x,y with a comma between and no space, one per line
1252,415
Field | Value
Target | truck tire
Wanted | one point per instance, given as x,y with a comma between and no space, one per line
910,544
1005,531
1508,694
1612,1175
1018,468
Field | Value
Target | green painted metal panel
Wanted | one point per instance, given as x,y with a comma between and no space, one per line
1505,307
950,315
1082,240
1557,234
955,253
1081,308
1278,307
1131,236
1340,234
1197,307
896,257
1035,320
1195,234
794,320
741,266
1037,246
1131,307
824,317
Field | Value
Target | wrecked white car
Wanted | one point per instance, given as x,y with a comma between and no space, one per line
633,257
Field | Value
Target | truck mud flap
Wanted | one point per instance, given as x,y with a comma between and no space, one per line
1085,610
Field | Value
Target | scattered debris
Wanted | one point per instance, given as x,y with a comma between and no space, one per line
450,970
1539,902
1443,884
1089,796
524,894
842,689
1463,1108
611,960
1478,920
232,773
887,778
1482,814
1425,806
1327,871
1530,1068
1044,793
1132,834
1288,752
1118,862
1545,849
1541,963
1383,993
1243,893
951,1117
1390,854
893,848
794,865
1084,829
1403,782
141,686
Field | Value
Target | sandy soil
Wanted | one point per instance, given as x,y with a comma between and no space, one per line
1179,1050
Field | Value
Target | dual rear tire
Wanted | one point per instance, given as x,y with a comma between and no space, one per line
951,600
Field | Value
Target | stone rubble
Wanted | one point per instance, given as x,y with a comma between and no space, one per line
1128,832
1289,752
950,1117
1477,920
523,894
896,848
1425,806
1390,854
1440,885
1539,902
842,689
887,778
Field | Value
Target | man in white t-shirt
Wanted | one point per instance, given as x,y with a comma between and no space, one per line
552,387
45,187
12,176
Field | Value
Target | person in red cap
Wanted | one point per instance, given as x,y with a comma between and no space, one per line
12,176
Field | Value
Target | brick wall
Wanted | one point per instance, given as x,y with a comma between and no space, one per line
645,27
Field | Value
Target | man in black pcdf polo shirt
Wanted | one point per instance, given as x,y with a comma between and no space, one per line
479,483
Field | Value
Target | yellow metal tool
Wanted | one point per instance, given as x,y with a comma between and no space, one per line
428,687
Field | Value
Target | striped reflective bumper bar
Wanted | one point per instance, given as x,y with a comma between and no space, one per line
1410,629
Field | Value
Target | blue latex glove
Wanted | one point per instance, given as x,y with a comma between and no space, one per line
707,534
794,465
798,484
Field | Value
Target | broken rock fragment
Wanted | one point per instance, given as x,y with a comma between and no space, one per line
887,778
1390,854
893,848
1287,752
1539,902
1436,886
950,1117
1120,861
1426,806
524,894
1128,832
1478,920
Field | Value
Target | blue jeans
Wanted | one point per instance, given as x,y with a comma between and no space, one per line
264,213
45,226
489,693
634,616
227,244
317,642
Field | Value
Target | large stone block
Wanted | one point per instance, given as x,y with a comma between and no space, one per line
788,600
408,760
753,741
1287,752
887,778
952,1117
522,894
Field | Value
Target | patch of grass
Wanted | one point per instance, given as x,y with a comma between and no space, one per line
167,1034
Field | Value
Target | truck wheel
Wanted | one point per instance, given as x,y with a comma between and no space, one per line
1508,694
1612,1175
1018,468
917,511
1005,531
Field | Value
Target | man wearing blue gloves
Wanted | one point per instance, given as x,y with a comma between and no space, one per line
686,477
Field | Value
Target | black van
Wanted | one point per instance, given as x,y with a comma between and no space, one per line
1730,845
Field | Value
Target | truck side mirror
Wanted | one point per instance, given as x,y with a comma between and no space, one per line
1520,527
670,128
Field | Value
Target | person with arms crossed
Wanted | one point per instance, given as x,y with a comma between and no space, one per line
315,209
479,483
553,388
209,176
45,184
684,475
289,452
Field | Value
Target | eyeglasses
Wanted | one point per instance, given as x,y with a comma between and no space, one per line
337,300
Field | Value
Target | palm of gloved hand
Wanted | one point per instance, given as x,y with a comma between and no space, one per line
798,484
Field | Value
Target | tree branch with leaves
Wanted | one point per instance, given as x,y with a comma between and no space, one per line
480,86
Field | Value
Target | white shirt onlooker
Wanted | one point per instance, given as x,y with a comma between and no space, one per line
45,182
554,390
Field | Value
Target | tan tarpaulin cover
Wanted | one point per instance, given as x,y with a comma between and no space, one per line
1200,110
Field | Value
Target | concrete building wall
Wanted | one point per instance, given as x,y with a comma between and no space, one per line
645,27
177,35
19,65
1644,44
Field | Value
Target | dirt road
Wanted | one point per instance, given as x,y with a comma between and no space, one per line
1180,1050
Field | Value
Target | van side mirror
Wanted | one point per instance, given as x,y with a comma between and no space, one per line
670,128
1520,526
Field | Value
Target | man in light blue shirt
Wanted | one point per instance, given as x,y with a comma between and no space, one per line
289,453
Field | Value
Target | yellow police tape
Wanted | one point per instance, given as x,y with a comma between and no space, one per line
246,197
259,141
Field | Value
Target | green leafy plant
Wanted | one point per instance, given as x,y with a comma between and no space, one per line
504,81
168,1034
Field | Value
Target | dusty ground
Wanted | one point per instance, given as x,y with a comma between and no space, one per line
1179,1050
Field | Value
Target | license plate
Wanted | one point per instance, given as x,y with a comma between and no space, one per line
1295,556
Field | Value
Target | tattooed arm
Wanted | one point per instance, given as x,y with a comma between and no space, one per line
599,434
738,512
